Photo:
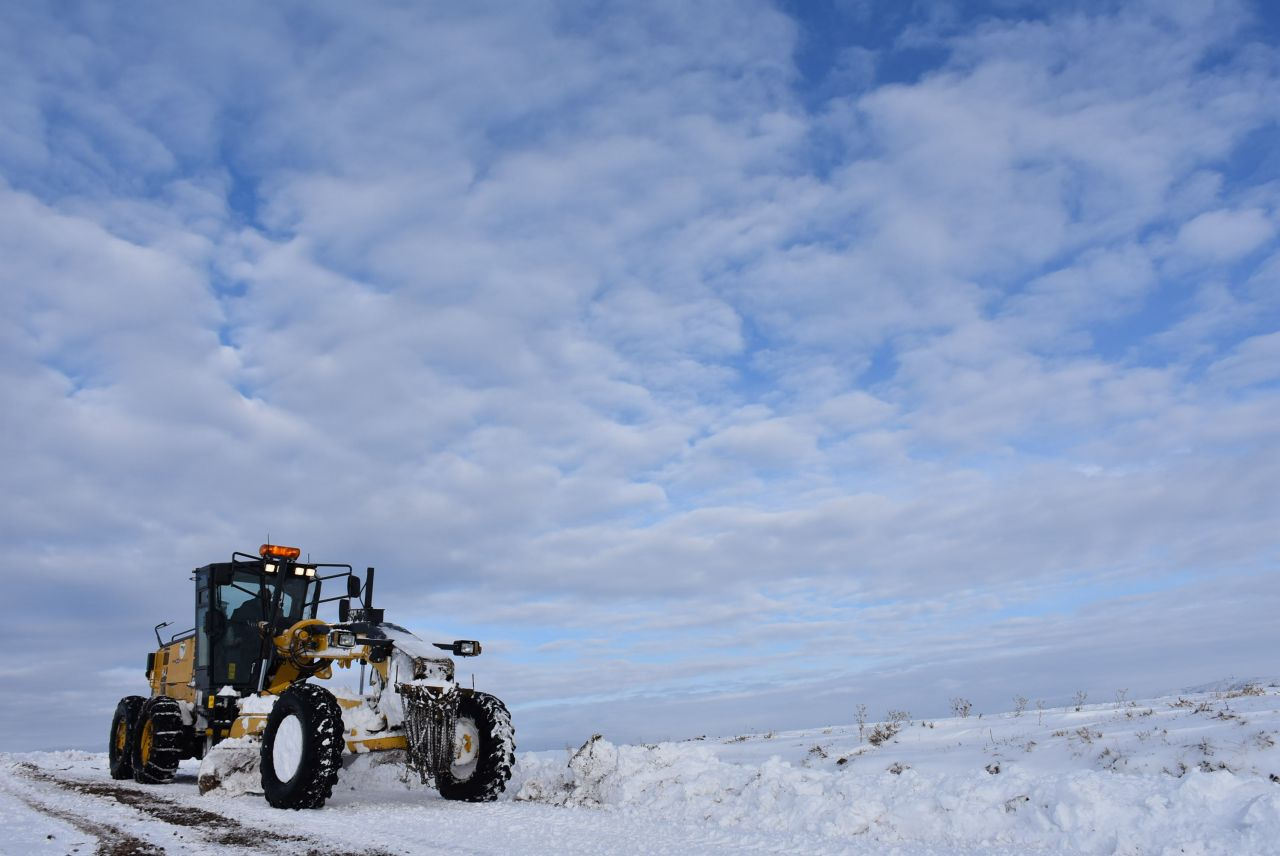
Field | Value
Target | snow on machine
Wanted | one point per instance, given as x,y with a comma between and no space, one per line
236,690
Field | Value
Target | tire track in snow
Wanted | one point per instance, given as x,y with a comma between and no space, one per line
214,828
112,840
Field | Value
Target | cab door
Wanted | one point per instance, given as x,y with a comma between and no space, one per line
203,671
228,607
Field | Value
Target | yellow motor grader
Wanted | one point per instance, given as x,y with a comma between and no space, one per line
242,676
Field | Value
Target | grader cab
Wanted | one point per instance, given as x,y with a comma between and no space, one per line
241,678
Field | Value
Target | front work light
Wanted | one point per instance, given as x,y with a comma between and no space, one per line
342,639
460,647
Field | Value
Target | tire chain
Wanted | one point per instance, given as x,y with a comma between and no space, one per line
166,741
429,722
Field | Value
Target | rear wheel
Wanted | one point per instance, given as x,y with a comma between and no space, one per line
120,749
158,740
302,747
484,751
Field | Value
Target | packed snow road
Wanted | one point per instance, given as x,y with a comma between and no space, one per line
1191,774
66,803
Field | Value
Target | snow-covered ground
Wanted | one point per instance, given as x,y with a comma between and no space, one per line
1191,774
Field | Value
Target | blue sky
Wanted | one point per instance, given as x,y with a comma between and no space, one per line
723,366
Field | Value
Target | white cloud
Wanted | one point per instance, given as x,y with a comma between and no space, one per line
1255,360
589,328
1225,235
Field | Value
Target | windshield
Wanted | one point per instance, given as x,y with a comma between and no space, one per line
245,602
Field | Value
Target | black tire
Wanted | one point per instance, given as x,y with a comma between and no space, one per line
158,740
302,748
481,779
120,747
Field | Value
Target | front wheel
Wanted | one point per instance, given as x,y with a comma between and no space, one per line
484,751
302,747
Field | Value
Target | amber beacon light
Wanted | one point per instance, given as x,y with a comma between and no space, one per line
275,551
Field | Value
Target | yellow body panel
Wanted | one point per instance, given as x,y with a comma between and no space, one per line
173,669
377,744
248,725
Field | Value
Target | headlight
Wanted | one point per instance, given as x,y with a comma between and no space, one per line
342,639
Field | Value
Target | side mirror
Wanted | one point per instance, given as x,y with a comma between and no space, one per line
353,588
151,664
344,611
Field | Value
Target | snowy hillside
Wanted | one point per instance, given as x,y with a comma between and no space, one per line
1197,773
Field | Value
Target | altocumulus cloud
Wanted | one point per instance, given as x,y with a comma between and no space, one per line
701,358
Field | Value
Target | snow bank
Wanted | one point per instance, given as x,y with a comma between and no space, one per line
1190,774
1178,775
